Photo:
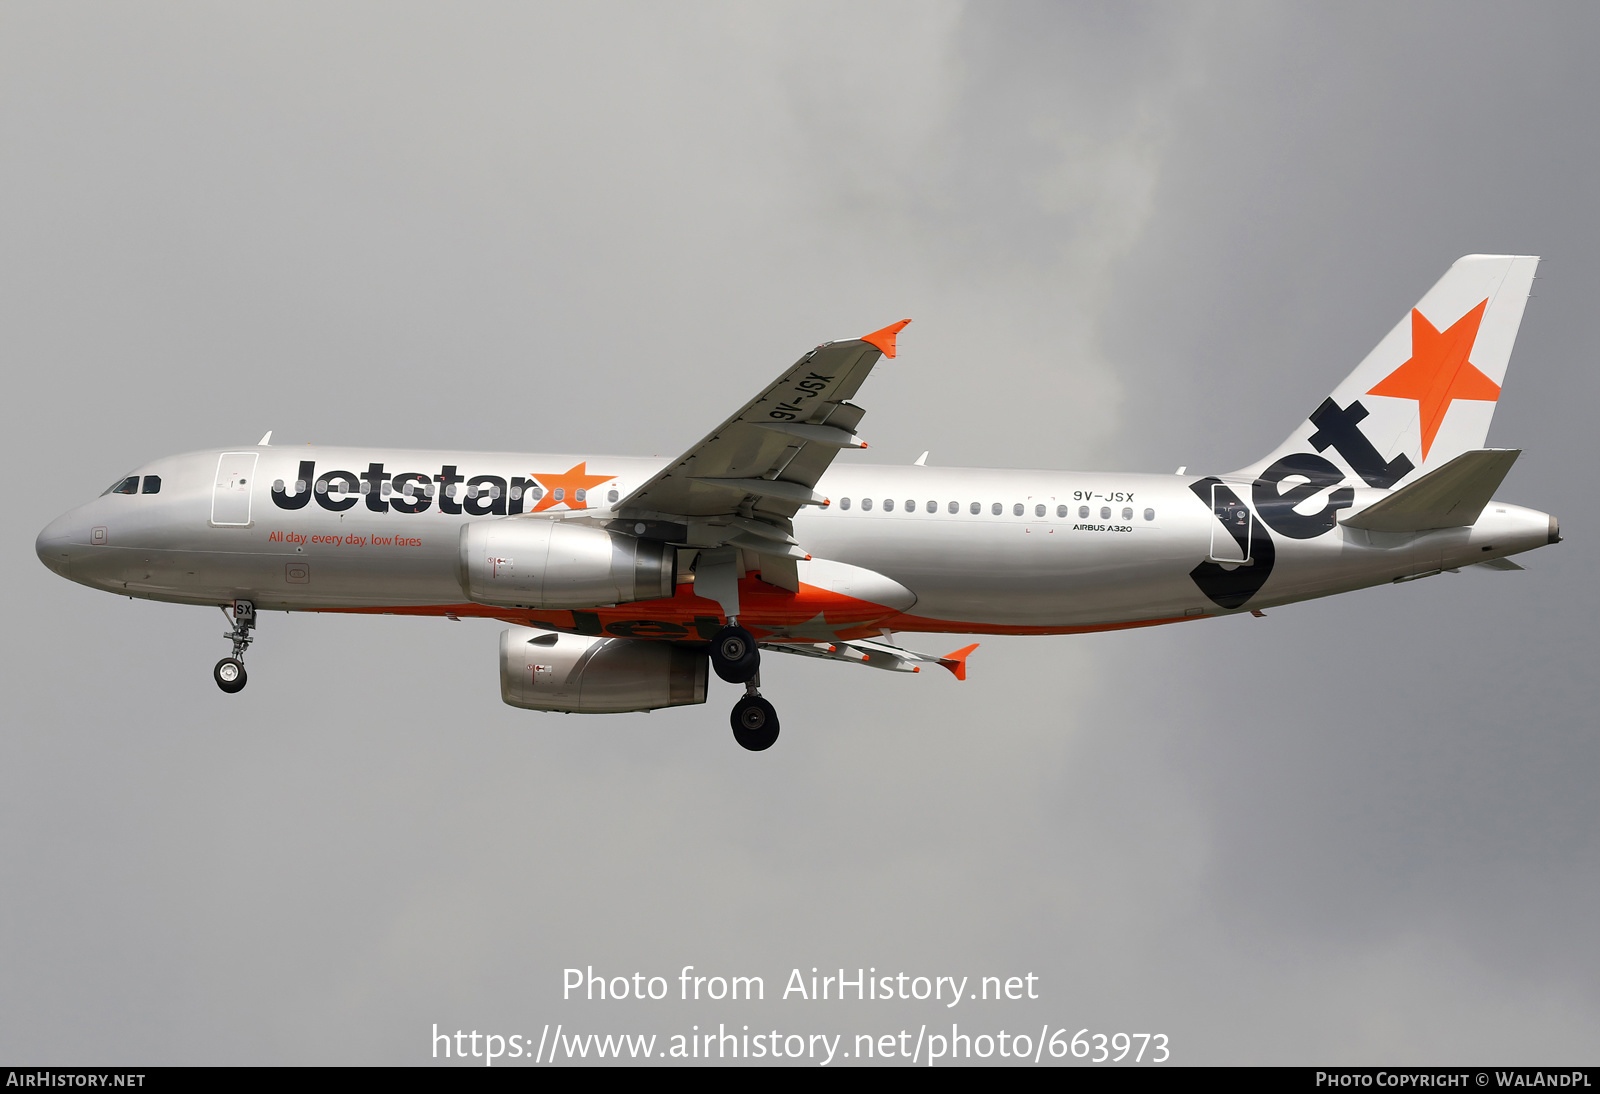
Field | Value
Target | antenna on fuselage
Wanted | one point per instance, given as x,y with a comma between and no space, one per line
920,461
266,439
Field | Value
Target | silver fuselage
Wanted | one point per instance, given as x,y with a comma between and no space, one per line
1065,551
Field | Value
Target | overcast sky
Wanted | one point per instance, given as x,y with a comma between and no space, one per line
1359,830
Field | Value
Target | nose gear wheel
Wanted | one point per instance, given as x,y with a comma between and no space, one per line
230,675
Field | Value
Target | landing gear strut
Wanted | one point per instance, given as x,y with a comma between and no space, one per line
229,673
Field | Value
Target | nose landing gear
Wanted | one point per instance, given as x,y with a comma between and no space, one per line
229,672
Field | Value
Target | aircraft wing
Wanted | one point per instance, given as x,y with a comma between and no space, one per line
877,655
741,484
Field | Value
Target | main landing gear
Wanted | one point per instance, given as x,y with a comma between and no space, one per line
737,659
229,673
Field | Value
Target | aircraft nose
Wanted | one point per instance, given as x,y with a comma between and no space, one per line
54,545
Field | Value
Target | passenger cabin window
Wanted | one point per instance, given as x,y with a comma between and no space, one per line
1127,514
152,484
1038,510
866,505
1149,514
933,506
844,503
1105,512
995,509
911,506
1061,510
976,508
1016,510
1083,512
612,496
955,507
888,505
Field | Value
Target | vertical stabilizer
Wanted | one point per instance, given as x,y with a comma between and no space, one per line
1427,393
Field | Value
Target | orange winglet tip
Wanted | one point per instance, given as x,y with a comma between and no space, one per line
884,339
957,662
916,668
808,558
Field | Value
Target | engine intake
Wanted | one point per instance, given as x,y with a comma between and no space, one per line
531,562
575,674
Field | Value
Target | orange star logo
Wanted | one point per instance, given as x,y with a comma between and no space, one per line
1439,372
563,489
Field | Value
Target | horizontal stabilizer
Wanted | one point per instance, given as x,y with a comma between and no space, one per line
1500,564
1453,496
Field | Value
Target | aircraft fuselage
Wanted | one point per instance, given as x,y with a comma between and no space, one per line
983,550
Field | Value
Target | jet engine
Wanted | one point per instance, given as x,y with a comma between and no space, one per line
531,562
575,674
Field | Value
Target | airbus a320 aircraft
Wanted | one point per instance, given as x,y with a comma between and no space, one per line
624,579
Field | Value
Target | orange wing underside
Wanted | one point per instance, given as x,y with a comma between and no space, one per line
770,613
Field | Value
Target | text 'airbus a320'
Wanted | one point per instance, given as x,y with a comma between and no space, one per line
628,580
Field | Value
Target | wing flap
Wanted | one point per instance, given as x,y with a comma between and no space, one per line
1452,496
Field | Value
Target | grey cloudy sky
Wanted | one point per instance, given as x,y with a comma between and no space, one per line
1136,236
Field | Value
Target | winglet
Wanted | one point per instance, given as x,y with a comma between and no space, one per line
884,339
957,662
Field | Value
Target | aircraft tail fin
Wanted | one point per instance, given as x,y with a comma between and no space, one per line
1452,496
1426,394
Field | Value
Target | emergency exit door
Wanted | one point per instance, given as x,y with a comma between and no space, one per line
230,498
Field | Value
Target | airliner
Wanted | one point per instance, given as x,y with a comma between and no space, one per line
627,582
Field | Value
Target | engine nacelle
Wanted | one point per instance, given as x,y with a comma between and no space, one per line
531,562
575,674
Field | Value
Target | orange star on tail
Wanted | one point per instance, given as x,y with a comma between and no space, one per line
563,489
1439,372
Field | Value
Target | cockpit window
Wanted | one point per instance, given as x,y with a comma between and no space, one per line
129,485
152,484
